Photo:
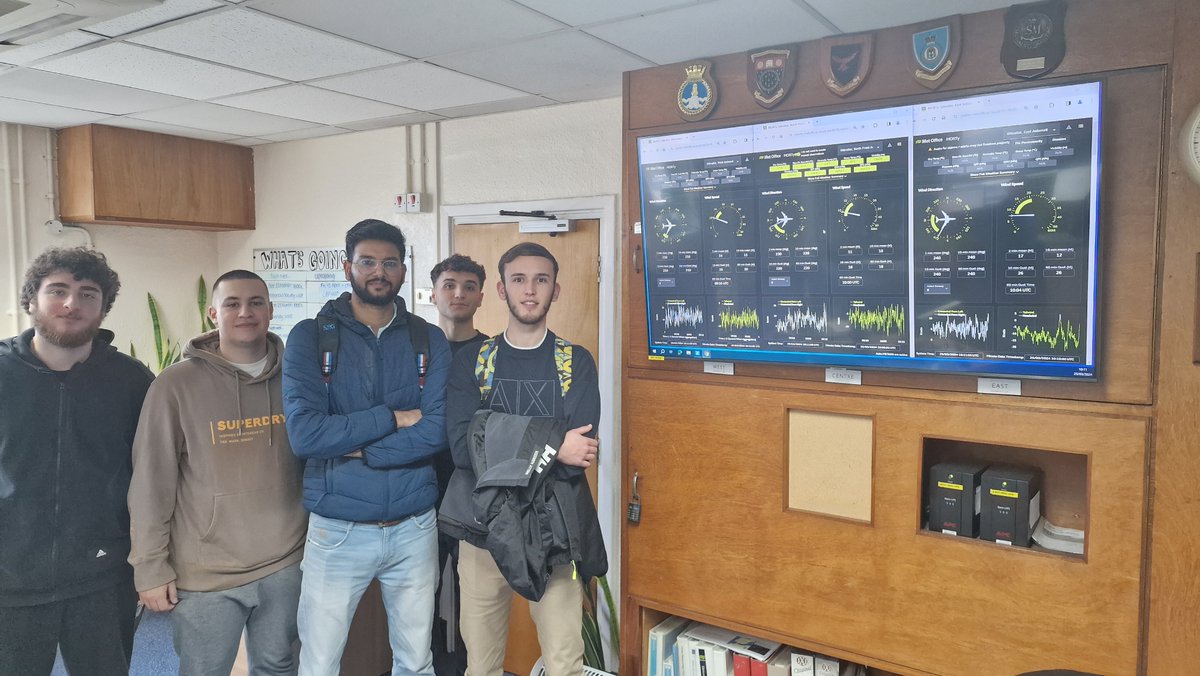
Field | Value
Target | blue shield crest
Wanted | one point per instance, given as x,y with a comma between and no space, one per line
931,48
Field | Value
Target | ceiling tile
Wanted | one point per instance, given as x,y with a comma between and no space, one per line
523,103
579,12
223,119
148,69
42,115
590,94
265,44
417,28
313,132
857,15
397,121
63,90
419,86
312,104
172,129
55,45
567,60
152,16
720,27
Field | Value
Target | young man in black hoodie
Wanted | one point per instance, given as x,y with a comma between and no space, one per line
69,406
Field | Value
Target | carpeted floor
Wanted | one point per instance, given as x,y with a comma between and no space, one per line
153,654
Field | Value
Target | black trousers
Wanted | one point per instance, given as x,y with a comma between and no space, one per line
93,631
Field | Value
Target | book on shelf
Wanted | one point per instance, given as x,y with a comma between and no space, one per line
802,664
780,664
660,642
742,644
720,660
741,665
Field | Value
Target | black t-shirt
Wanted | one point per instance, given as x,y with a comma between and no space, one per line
443,464
525,382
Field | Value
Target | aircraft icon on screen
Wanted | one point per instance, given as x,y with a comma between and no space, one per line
668,226
782,220
940,224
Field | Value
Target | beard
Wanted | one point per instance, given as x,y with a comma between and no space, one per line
364,294
515,308
44,327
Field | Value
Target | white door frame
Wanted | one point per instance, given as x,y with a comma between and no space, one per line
604,208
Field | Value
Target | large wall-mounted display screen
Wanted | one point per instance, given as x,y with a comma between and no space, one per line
958,235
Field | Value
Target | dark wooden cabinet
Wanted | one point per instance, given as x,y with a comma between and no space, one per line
130,177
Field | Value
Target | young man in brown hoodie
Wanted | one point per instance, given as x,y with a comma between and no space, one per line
215,509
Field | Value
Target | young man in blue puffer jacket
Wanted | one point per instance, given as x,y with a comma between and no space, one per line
367,416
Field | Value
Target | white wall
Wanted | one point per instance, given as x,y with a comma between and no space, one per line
167,263
546,153
308,193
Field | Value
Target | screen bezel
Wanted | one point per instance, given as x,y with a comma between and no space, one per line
898,363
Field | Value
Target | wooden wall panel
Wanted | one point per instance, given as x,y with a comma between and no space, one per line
886,593
1173,637
710,448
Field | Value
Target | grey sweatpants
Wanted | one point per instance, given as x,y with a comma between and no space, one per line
208,626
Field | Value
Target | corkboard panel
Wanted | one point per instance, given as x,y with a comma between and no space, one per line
716,539
829,464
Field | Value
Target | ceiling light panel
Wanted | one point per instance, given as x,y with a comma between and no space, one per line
312,104
143,68
152,16
73,92
417,28
721,27
265,44
419,86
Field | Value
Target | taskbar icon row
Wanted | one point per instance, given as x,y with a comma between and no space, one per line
694,353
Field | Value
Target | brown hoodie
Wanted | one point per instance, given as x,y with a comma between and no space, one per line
215,498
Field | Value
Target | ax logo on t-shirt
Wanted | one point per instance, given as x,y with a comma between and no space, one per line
534,398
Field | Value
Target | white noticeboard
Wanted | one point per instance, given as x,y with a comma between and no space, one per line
302,280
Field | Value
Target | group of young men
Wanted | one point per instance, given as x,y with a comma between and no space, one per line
259,490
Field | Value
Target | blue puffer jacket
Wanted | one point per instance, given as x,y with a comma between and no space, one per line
374,377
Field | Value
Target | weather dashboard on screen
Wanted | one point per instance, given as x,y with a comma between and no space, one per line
958,235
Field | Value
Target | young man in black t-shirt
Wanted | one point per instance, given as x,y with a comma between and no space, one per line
533,373
457,294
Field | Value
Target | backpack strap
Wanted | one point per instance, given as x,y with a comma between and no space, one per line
327,344
562,364
485,366
418,333
329,331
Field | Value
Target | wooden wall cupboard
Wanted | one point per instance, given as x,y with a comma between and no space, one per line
129,177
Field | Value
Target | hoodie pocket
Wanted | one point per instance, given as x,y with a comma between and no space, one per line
252,529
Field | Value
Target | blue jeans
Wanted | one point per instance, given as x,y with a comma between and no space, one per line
340,560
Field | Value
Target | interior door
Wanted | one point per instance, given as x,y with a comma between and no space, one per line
575,317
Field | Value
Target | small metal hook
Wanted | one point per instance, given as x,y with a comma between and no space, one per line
635,483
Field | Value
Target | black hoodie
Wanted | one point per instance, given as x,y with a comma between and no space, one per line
65,443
